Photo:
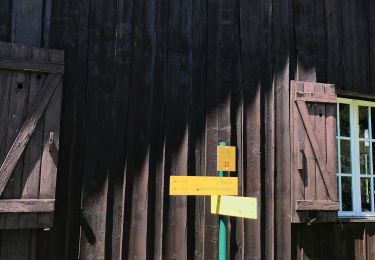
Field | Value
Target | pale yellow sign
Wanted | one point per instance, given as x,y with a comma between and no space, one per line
203,185
244,207
226,158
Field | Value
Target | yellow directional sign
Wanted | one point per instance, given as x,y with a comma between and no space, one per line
226,158
203,185
245,207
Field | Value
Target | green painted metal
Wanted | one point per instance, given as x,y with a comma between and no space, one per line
222,227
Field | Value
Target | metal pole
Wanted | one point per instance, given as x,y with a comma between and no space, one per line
222,227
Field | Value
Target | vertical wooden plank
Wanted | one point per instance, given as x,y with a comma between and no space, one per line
280,50
299,176
197,119
355,17
253,62
51,132
139,142
371,21
310,41
28,15
359,240
228,78
370,240
269,151
18,108
158,124
97,159
320,130
32,153
44,244
305,38
212,112
46,23
5,91
120,118
69,31
5,20
177,237
237,224
331,145
16,246
297,249
311,165
334,48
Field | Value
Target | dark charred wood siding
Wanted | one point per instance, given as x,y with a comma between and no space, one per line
151,87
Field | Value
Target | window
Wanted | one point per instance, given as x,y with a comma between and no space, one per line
355,148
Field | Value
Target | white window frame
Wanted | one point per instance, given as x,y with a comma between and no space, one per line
354,158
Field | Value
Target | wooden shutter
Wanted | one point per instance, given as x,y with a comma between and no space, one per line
313,149
30,102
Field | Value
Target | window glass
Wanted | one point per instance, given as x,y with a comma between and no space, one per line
364,157
346,193
363,122
344,120
365,194
372,122
345,156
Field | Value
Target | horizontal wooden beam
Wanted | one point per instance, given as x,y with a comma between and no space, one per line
31,65
316,97
320,205
27,205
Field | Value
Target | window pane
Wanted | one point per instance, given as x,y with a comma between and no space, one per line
345,156
373,121
344,120
363,122
364,157
346,194
366,194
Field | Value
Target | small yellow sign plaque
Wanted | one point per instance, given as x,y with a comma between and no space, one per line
226,158
244,207
203,185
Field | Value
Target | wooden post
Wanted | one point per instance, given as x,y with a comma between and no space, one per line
222,227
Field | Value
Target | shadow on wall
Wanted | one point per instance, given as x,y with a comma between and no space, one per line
151,87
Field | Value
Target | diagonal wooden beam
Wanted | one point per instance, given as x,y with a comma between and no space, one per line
316,149
28,128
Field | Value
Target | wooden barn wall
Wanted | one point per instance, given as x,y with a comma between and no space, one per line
151,87
332,41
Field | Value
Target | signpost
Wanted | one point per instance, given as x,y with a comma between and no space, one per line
223,191
203,185
244,207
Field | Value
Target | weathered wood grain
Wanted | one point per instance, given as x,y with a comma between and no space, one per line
321,131
27,205
252,73
31,65
320,205
98,123
280,68
139,134
5,20
18,109
177,238
320,158
27,129
117,230
157,153
28,18
50,145
197,118
32,155
69,20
